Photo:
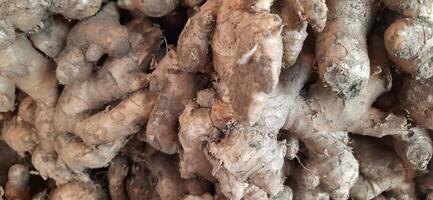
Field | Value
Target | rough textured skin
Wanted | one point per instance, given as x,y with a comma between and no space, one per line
152,8
75,9
117,78
194,42
50,166
247,52
25,15
116,175
17,187
88,41
20,136
195,128
341,48
78,190
175,89
312,11
28,15
256,161
248,157
25,68
104,133
296,15
52,38
409,44
412,8
7,34
415,148
332,118
294,31
380,170
417,99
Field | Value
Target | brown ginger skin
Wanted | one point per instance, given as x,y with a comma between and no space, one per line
416,99
25,68
380,170
412,8
17,187
174,88
247,49
88,41
152,8
194,42
195,128
116,175
408,46
330,127
52,38
78,190
117,78
296,15
20,136
28,16
341,48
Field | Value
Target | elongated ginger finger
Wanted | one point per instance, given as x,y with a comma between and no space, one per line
126,118
341,48
175,88
194,41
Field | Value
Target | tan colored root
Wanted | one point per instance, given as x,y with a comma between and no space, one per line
247,51
17,187
78,190
152,8
195,128
194,42
175,88
341,48
388,175
27,110
28,16
85,45
25,68
20,136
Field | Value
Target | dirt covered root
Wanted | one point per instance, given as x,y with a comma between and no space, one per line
346,68
216,99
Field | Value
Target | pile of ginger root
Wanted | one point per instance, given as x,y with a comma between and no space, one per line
216,99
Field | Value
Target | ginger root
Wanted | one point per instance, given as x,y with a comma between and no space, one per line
250,99
17,186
